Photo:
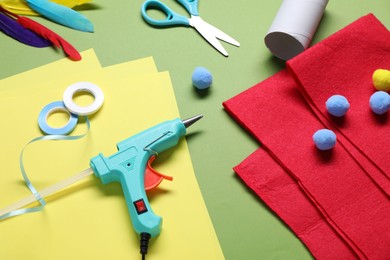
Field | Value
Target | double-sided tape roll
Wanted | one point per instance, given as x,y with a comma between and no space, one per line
83,87
47,111
71,108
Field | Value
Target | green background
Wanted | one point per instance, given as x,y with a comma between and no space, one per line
245,227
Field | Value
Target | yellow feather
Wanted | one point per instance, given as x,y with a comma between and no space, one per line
17,7
71,3
21,7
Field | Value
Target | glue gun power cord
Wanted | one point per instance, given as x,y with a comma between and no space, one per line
144,244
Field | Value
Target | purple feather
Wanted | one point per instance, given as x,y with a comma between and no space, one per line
10,27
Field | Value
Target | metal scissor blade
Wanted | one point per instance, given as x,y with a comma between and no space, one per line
203,29
221,35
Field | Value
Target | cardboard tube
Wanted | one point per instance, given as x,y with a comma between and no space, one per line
294,26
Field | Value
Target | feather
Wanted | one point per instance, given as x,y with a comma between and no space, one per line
71,3
61,14
57,40
17,7
21,7
46,33
13,29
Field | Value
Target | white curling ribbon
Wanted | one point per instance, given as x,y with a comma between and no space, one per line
294,26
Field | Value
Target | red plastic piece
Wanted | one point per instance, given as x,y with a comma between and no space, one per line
152,177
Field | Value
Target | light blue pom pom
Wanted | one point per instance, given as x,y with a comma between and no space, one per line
201,78
324,139
380,102
337,105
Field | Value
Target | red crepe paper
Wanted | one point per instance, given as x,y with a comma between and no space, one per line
280,192
347,61
341,189
276,113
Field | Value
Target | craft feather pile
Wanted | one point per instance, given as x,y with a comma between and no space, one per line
13,29
61,15
33,33
21,7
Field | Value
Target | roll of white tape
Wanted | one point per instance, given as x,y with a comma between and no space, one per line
47,111
96,92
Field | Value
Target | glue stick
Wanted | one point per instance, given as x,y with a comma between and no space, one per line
294,26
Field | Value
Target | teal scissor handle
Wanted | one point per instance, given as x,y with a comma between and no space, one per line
190,5
172,18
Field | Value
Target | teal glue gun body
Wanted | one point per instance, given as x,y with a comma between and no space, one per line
128,166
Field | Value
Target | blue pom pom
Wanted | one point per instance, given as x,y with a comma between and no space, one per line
201,78
324,139
380,102
337,105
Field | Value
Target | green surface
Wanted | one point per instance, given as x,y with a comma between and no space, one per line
246,228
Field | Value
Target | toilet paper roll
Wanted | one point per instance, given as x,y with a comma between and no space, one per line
294,26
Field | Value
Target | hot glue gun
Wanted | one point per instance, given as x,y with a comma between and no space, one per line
128,167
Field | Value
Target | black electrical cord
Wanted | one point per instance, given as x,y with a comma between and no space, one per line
144,244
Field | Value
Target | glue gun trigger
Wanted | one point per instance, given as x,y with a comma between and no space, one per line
152,177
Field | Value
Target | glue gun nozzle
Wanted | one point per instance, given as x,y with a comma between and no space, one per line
188,122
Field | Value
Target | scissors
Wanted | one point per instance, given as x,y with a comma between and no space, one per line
209,32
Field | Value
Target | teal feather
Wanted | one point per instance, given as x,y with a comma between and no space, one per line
61,14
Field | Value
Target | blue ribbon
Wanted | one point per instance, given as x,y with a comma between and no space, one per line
27,180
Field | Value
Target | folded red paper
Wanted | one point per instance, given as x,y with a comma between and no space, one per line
280,192
341,188
275,112
347,61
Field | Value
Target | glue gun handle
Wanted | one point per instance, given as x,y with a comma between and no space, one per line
130,174
142,216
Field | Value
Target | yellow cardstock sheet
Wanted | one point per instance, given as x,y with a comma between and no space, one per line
89,220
